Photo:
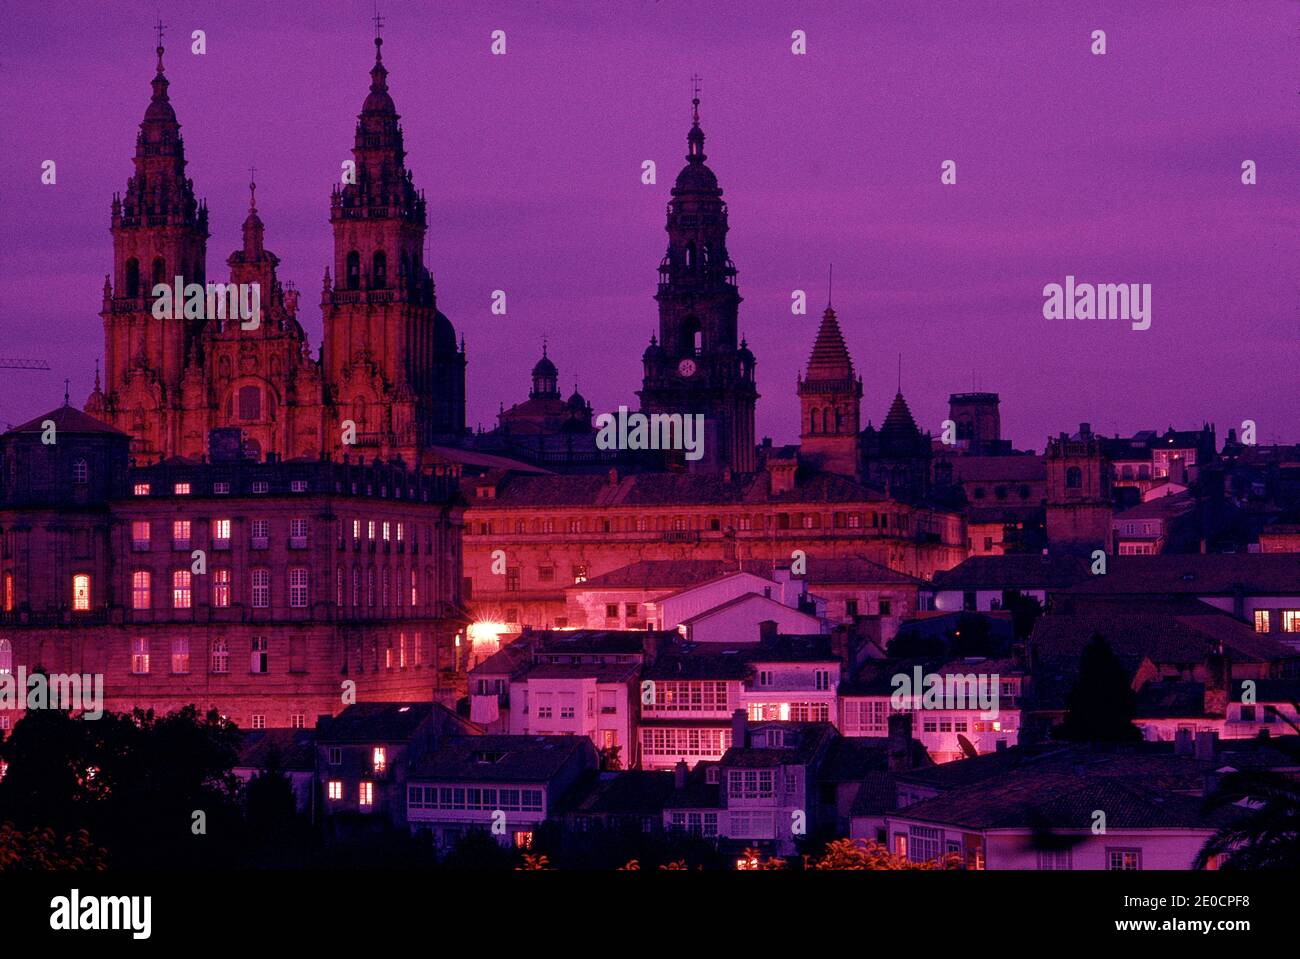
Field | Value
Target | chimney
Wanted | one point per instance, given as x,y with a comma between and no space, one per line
679,775
739,729
1215,700
1183,742
767,631
1206,745
900,742
613,477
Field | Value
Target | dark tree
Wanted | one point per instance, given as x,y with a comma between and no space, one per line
1102,703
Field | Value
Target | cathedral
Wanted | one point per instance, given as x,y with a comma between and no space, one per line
389,379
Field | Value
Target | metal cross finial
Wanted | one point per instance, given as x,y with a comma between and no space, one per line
378,21
160,26
695,96
252,187
830,285
67,389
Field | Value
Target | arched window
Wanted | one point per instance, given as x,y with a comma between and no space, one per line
80,472
690,254
9,593
6,657
1073,478
812,422
220,656
354,271
133,277
159,271
81,592
692,335
379,271
359,413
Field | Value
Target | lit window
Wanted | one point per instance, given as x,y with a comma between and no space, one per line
221,588
221,534
335,789
370,530
6,657
181,534
140,535
180,654
356,530
298,587
141,581
181,586
380,759
400,532
81,592
181,489
1291,620
367,797
1124,859
140,655
9,593
386,531
414,589
141,489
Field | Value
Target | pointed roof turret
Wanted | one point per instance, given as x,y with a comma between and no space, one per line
830,358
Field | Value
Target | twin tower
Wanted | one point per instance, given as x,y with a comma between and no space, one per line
390,365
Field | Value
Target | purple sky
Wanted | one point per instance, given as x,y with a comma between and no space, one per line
1116,168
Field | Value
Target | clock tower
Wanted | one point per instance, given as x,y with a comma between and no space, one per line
695,364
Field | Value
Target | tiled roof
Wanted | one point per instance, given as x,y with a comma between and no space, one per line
803,742
379,722
677,574
1196,574
830,358
1013,571
67,419
1032,799
499,758
296,748
629,792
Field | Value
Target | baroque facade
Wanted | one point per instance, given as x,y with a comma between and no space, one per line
389,378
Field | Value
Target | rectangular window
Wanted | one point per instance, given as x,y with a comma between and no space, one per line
261,588
181,586
297,486
180,534
220,656
367,794
261,658
140,531
259,532
140,655
297,534
1125,860
386,531
141,489
379,759
259,720
1291,620
181,489
220,489
180,654
1262,624
221,588
141,592
924,843
335,789
221,534
261,486
298,587
335,755
298,721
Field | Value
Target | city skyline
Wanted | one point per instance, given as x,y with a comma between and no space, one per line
506,192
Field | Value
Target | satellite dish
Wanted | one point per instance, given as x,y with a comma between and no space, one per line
969,751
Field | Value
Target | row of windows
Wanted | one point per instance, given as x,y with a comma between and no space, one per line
220,487
685,742
182,534
644,524
457,797
182,588
1289,618
686,696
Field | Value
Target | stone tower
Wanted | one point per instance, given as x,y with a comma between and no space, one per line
160,232
979,426
696,364
1079,505
391,363
829,403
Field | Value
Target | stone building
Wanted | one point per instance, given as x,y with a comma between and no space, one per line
255,588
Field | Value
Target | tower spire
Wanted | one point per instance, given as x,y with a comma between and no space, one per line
160,27
695,139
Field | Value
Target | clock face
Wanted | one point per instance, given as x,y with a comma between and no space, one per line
686,367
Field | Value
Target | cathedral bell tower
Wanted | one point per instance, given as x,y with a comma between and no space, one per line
160,231
830,398
696,364
391,363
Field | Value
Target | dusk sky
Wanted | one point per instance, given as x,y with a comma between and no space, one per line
1117,168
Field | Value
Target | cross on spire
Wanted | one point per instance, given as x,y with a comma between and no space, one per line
252,188
160,27
695,96
378,21
830,284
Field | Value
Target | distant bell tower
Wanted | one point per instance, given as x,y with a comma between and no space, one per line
979,426
696,364
1080,509
391,363
829,403
160,231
